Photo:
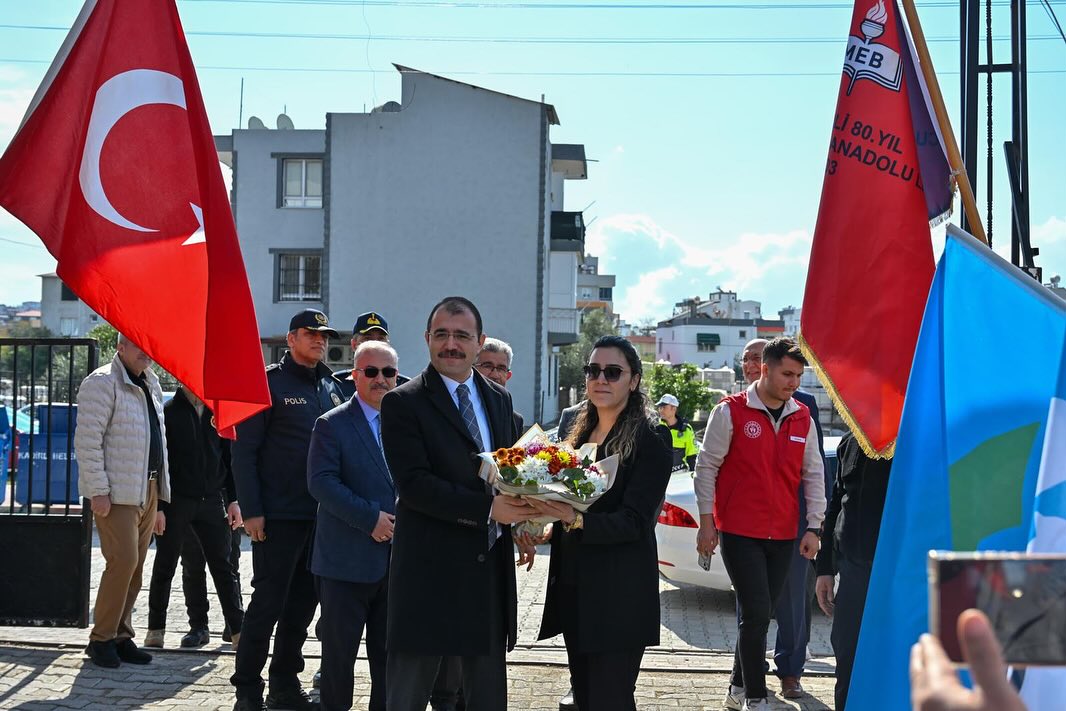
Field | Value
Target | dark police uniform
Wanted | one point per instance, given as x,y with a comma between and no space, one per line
270,470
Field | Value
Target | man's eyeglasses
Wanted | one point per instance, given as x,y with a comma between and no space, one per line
442,336
611,372
372,372
490,368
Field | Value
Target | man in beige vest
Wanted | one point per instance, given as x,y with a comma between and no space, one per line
122,460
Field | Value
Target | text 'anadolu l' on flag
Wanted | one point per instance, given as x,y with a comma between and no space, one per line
115,169
886,180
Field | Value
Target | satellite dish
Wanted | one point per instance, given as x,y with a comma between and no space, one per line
1056,280
389,107
255,123
285,123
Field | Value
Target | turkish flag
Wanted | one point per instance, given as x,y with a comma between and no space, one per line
886,180
115,169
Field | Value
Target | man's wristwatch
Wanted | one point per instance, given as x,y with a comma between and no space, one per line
579,522
815,531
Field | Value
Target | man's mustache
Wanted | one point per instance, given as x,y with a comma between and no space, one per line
453,353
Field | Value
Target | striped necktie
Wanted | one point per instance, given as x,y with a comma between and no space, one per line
466,410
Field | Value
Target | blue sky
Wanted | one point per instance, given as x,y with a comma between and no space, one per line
702,178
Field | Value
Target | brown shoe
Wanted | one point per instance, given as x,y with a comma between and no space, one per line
791,688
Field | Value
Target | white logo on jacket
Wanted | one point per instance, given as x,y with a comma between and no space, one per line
752,429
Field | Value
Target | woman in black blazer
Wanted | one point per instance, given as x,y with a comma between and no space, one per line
603,580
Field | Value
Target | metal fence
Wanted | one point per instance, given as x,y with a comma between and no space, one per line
45,531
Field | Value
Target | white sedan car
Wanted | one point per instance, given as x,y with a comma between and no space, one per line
676,536
679,521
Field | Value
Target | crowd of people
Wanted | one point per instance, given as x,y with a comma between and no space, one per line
360,493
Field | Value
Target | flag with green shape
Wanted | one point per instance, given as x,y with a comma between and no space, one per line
968,457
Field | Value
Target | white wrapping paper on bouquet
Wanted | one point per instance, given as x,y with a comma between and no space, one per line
552,491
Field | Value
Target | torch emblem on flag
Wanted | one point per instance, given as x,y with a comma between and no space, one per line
866,59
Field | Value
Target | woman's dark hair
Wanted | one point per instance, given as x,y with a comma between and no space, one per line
634,418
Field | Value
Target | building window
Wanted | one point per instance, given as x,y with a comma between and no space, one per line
743,334
299,277
67,327
747,315
65,293
605,293
586,293
301,182
708,342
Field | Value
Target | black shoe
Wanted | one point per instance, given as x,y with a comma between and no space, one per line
227,636
129,653
195,638
316,682
249,704
291,700
567,703
104,654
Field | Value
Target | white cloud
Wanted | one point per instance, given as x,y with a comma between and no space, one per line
13,104
656,268
619,149
10,74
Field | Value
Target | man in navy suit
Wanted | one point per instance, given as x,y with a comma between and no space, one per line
793,609
348,476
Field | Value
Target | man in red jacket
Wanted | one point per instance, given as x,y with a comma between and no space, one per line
759,446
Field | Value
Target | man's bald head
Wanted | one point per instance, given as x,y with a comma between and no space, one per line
751,359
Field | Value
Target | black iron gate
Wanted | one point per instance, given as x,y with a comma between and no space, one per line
45,530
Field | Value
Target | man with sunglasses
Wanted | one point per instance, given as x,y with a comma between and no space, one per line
370,326
269,460
347,474
452,588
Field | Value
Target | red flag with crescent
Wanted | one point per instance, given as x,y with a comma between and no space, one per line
114,167
886,180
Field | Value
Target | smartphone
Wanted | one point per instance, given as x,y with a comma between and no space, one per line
705,560
1023,595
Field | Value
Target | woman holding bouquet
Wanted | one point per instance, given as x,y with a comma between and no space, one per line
603,580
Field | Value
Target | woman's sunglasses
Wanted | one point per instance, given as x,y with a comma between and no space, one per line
372,372
611,372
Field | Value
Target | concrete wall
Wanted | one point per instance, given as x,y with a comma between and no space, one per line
263,226
443,197
54,310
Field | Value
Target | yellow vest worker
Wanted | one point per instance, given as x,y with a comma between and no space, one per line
684,438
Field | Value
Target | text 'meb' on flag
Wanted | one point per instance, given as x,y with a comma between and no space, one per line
886,180
965,474
115,169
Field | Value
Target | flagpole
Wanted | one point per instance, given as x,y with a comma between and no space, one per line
969,205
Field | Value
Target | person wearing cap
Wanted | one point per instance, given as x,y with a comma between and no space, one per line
269,461
684,438
370,326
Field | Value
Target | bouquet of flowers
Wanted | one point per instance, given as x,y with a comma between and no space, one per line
537,468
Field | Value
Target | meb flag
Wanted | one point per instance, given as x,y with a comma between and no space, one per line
1045,688
886,180
968,463
114,168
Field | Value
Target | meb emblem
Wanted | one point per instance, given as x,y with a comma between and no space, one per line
752,429
867,59
336,399
321,319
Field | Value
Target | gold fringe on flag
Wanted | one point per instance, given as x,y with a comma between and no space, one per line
838,402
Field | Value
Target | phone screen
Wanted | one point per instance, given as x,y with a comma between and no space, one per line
1024,597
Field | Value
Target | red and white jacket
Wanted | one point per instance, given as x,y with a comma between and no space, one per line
750,467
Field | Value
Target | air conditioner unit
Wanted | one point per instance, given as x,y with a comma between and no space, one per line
336,354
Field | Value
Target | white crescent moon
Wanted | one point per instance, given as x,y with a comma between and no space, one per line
115,98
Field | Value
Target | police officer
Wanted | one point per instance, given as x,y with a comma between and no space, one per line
370,326
685,448
270,470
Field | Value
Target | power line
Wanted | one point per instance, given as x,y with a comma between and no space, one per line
23,244
467,4
518,40
1051,13
602,74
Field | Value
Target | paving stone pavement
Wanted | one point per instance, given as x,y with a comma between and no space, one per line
45,668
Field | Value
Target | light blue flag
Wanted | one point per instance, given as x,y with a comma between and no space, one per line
969,450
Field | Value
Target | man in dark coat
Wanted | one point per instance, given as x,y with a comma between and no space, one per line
452,588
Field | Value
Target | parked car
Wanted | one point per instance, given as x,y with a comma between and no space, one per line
679,522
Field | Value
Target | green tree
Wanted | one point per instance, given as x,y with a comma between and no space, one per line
574,357
681,381
106,341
